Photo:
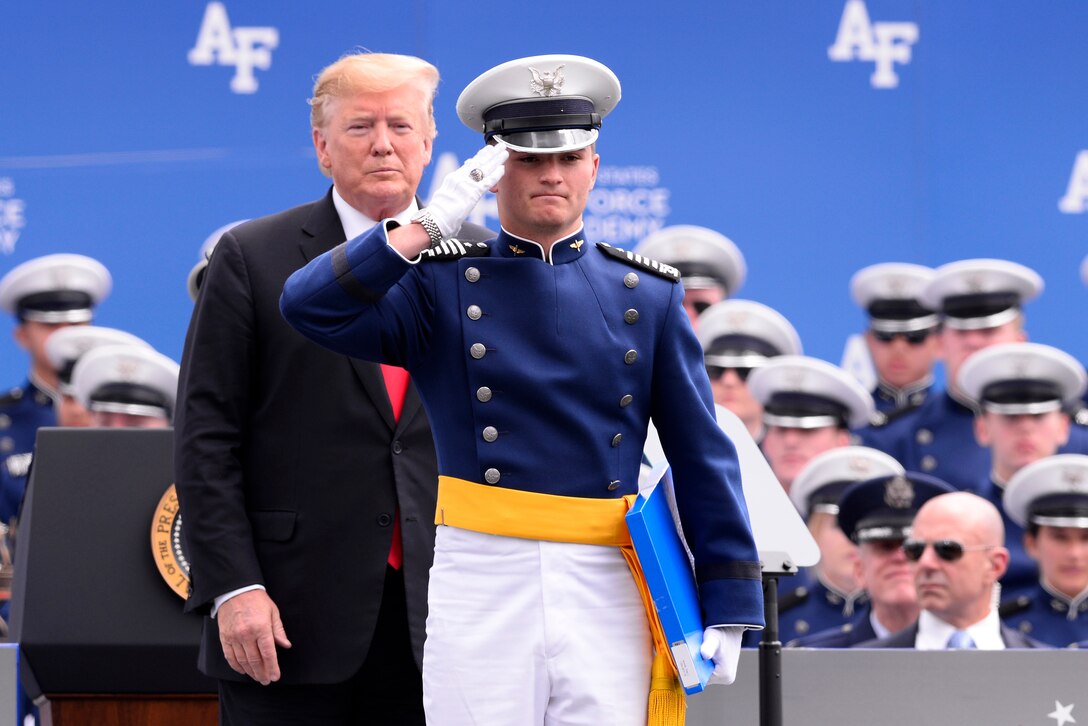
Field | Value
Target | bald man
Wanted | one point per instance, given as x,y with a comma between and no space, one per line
957,555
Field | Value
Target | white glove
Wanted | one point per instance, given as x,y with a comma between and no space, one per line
463,188
721,644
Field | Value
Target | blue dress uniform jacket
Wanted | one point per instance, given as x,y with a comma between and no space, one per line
936,438
541,375
820,608
848,635
1047,616
14,471
23,410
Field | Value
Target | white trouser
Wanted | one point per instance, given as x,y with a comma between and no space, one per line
529,633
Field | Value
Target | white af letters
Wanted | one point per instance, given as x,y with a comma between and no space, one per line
884,43
1075,200
243,48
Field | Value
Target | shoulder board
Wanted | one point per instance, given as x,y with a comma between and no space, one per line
1015,606
18,465
455,249
792,599
643,263
883,419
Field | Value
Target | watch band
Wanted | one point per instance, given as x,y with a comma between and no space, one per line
425,220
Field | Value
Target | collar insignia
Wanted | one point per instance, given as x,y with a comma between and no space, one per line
577,244
517,250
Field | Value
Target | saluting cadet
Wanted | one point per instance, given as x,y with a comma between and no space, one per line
738,336
1048,499
828,595
541,357
902,333
1022,392
44,294
980,305
809,407
711,267
876,514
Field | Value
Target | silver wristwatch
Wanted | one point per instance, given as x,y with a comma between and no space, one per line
424,218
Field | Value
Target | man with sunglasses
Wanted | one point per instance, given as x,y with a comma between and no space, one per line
902,333
711,267
1022,392
876,514
738,336
1049,500
809,407
956,558
979,302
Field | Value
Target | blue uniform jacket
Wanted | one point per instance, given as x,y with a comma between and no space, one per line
541,375
23,410
858,630
1048,616
938,438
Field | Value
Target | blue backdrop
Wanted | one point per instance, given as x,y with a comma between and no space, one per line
819,136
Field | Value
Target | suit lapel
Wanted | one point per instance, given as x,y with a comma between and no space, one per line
320,233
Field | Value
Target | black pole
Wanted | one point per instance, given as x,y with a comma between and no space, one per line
770,658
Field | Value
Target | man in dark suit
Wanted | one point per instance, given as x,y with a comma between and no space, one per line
957,554
307,483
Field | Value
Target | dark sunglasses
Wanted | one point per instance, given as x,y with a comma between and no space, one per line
700,306
716,372
948,550
914,337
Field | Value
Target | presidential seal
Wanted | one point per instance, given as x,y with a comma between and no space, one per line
166,545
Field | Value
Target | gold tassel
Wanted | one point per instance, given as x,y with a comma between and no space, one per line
668,705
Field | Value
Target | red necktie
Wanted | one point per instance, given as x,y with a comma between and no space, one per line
396,383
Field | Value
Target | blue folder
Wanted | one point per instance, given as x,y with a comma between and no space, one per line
665,563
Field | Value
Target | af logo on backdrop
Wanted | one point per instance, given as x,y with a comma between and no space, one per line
885,44
1075,200
12,217
245,48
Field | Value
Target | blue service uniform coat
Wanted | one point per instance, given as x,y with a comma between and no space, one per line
1052,618
23,410
936,438
858,630
818,608
541,375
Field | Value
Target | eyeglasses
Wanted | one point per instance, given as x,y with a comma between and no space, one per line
700,306
948,550
913,337
716,372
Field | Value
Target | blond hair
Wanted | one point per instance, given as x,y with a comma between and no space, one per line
367,72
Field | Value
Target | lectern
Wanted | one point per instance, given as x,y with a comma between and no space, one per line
101,634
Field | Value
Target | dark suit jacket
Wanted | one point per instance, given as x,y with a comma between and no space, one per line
905,639
289,463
